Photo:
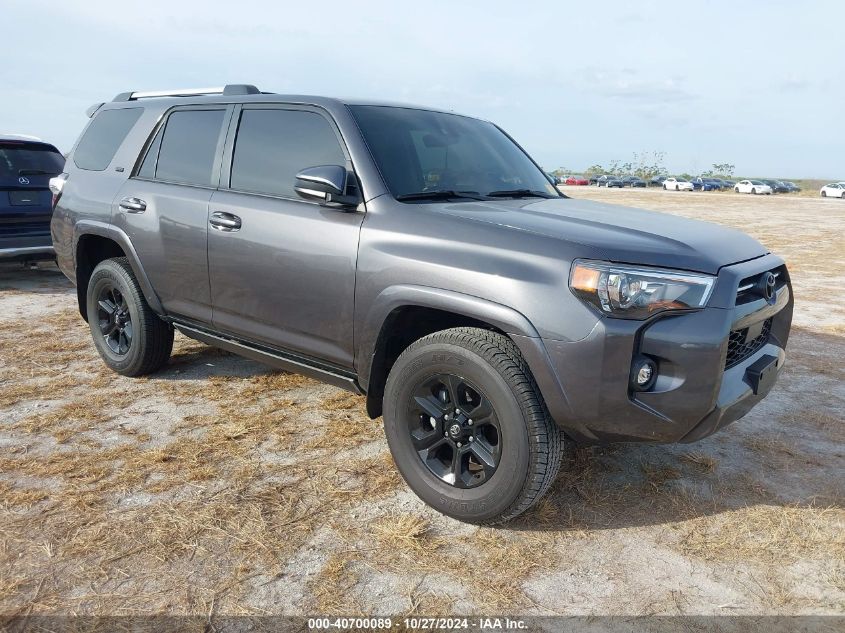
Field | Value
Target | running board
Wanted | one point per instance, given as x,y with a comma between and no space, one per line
274,358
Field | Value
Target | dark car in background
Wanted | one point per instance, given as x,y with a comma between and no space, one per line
26,166
704,184
717,183
657,181
776,185
610,181
793,188
633,181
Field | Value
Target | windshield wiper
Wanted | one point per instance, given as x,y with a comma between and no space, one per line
440,194
519,193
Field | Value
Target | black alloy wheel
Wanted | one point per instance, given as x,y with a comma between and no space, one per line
467,425
114,319
454,430
129,336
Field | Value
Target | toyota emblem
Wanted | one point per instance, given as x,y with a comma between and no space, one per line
766,287
23,180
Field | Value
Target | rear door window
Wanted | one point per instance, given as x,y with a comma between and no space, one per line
273,145
103,137
189,147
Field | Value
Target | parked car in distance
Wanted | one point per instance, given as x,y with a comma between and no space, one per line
633,181
776,185
657,181
486,317
677,184
576,181
610,181
833,190
727,184
793,188
752,186
26,166
703,184
717,183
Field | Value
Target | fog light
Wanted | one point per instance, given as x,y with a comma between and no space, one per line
643,373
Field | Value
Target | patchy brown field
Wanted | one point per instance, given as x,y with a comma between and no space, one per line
220,487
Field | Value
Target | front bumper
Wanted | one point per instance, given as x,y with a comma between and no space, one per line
703,383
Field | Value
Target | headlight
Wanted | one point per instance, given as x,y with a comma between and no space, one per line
632,292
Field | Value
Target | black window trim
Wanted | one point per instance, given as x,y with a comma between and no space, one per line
232,134
218,152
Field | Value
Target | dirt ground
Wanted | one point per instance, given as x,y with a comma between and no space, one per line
219,487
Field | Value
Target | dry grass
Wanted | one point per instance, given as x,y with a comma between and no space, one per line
705,463
403,532
770,534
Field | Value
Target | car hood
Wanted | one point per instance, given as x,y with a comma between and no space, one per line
617,233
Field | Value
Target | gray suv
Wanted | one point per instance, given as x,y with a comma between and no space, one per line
424,260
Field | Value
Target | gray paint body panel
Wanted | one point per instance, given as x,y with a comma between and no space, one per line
320,282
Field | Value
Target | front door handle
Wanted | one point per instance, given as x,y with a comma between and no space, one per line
227,222
133,205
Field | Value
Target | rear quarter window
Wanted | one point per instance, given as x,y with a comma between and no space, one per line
99,144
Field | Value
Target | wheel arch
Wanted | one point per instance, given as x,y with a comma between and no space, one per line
403,314
94,242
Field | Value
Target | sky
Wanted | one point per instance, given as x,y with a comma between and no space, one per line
758,84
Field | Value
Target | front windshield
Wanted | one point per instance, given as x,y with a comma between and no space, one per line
757,182
422,151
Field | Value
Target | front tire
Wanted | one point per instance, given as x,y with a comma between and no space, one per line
736,189
468,428
754,192
131,339
824,194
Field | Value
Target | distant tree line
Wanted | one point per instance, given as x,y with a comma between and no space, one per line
647,165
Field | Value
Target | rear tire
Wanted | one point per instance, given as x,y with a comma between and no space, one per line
482,471
736,189
754,192
824,194
132,340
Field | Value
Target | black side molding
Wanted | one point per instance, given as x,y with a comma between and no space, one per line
275,358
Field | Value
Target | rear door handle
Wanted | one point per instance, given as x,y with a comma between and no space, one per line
227,222
133,205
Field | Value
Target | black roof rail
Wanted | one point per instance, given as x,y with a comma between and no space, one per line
230,89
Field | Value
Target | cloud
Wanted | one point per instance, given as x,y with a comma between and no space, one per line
649,91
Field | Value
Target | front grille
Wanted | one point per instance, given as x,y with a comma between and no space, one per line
747,287
739,349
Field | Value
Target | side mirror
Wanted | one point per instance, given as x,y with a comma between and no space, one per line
326,184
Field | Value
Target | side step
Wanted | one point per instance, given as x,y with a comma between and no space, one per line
274,358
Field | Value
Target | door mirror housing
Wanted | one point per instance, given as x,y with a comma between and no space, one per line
327,184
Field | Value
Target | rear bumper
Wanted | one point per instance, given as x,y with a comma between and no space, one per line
694,394
26,248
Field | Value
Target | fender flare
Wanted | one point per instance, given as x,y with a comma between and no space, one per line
513,323
109,231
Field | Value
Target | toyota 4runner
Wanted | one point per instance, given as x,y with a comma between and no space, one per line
420,258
